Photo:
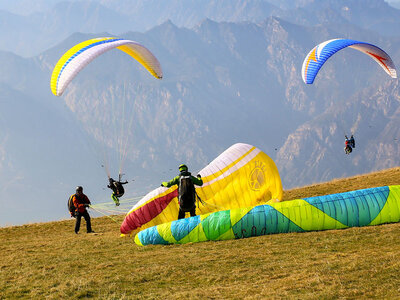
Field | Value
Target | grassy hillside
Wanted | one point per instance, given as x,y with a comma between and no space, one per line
49,261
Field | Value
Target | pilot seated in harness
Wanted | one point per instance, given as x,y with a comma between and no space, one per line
117,188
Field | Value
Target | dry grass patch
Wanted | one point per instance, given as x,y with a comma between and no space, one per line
49,261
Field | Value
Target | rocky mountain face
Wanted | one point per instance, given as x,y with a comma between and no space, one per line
224,82
315,149
228,82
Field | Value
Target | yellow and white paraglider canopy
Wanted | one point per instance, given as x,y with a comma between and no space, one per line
79,56
241,176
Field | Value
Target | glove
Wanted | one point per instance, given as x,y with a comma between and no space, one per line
87,205
117,204
162,185
198,176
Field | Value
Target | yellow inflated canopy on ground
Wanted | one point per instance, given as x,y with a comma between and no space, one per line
242,176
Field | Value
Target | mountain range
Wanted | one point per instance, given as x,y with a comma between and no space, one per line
29,28
232,73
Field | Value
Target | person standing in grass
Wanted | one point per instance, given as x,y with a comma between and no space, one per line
186,190
81,202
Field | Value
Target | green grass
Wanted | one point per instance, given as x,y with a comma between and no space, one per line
48,260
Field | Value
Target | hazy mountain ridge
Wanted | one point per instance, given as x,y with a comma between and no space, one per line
223,83
50,22
371,14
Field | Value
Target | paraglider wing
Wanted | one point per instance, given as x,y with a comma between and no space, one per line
79,56
322,52
365,207
241,176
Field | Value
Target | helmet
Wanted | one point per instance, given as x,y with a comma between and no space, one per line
183,167
79,189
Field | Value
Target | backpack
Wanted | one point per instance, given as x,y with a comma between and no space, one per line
186,192
71,206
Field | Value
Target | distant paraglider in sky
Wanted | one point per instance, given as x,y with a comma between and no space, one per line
349,144
322,52
79,56
113,115
316,58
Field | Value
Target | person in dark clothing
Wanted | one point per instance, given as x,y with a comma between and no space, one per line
352,142
347,147
186,190
349,144
81,202
117,188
